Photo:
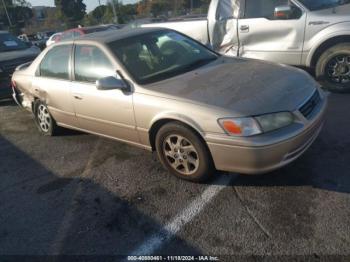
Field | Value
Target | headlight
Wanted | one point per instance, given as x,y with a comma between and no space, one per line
275,121
250,126
247,126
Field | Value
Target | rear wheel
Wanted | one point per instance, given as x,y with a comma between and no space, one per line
183,153
333,68
43,119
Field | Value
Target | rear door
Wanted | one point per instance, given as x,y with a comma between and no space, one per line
105,112
266,33
52,84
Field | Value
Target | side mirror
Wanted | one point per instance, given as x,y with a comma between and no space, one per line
110,83
283,12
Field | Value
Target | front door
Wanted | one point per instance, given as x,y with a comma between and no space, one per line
104,112
272,30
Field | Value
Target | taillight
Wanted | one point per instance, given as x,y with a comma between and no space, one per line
13,84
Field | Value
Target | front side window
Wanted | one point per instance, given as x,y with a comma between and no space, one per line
156,56
56,62
91,64
267,9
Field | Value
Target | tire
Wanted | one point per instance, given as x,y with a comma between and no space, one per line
183,153
333,68
43,119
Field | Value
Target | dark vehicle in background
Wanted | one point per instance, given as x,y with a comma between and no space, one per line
33,39
80,31
13,53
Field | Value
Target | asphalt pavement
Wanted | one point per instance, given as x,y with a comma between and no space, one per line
79,194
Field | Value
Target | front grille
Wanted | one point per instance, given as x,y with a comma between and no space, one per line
310,105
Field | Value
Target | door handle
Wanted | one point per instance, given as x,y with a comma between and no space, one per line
244,28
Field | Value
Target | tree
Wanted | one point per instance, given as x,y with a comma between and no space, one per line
99,12
159,7
71,11
144,7
19,11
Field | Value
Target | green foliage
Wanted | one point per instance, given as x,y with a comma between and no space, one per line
172,7
160,7
71,11
104,14
19,12
99,12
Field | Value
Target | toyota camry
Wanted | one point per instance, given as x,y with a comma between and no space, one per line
165,92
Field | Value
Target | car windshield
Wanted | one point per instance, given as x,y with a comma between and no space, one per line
156,56
314,5
10,43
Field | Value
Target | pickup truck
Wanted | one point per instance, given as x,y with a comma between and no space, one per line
313,34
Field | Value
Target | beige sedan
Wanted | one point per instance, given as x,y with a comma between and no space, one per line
162,91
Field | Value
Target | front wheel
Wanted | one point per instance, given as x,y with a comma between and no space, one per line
333,68
43,119
183,153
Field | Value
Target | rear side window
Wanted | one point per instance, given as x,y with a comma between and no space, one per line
91,64
56,63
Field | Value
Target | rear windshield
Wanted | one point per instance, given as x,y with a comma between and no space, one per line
10,43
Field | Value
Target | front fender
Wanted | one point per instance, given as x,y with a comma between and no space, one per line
330,32
171,115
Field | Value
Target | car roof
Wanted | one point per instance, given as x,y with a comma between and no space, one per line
111,36
87,28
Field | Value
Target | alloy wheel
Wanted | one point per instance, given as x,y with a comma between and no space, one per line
338,69
181,154
44,118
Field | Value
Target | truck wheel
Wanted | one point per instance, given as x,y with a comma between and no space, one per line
183,153
43,119
333,68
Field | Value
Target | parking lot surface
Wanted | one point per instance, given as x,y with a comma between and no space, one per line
78,194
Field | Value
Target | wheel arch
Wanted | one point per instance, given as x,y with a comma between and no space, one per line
35,99
159,122
326,45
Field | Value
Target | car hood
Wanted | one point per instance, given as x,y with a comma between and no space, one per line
18,54
244,87
332,15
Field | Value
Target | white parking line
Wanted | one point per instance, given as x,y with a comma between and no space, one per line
189,213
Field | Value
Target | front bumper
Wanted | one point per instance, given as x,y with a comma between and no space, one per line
269,152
